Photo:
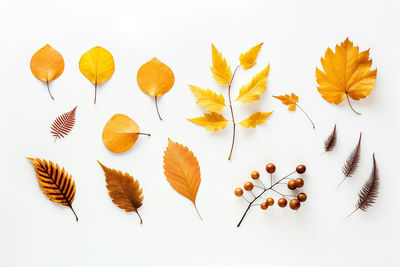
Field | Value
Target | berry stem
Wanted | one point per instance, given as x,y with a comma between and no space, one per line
232,115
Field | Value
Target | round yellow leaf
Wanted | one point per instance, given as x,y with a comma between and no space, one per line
47,64
155,78
97,65
120,133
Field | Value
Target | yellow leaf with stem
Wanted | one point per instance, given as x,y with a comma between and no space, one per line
347,73
248,59
208,99
255,119
212,121
222,73
289,100
252,91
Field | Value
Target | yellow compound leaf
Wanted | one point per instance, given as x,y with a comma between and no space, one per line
289,100
56,183
120,133
212,121
252,91
255,119
222,73
346,73
47,64
124,190
182,170
97,65
207,99
248,59
155,79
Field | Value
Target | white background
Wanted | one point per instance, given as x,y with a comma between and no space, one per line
36,232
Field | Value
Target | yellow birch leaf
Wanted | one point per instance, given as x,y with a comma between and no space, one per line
248,59
97,65
347,73
289,100
221,71
212,121
47,64
208,99
155,79
255,119
252,91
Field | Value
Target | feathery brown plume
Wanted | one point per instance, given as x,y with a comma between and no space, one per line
63,124
352,162
330,142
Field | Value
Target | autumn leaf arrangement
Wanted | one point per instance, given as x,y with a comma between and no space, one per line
215,103
370,190
257,190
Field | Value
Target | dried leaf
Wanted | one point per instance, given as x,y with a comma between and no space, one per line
347,73
330,142
124,190
47,64
155,79
97,65
212,121
207,99
222,73
289,100
63,124
255,119
252,91
182,170
120,133
56,184
248,59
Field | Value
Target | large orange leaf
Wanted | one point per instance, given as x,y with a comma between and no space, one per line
182,170
347,73
47,64
155,79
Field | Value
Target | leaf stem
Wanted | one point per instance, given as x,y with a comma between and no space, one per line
232,115
158,112
198,211
140,217
74,212
95,92
313,125
48,89
348,100
144,134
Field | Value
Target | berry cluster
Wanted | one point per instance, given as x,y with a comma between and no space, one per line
292,184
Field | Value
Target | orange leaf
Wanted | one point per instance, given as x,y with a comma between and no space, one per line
289,100
182,171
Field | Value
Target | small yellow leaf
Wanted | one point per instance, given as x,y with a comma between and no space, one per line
120,133
208,99
248,59
347,73
155,78
252,91
289,100
212,121
221,71
255,119
97,65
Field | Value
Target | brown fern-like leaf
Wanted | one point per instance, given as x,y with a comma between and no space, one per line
56,184
370,190
352,162
63,124
124,190
330,142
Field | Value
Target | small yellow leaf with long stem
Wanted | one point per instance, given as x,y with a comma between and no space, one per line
255,119
347,73
248,59
47,64
221,71
155,79
207,99
212,121
97,65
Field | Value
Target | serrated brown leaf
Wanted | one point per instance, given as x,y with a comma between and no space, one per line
182,170
56,183
123,189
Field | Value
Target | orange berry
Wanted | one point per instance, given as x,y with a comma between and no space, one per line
294,204
264,205
302,197
255,175
270,201
291,184
248,186
299,182
270,168
239,192
282,202
301,169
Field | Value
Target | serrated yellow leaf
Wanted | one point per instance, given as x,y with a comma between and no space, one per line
248,59
212,121
208,99
289,100
252,91
255,119
221,71
347,73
